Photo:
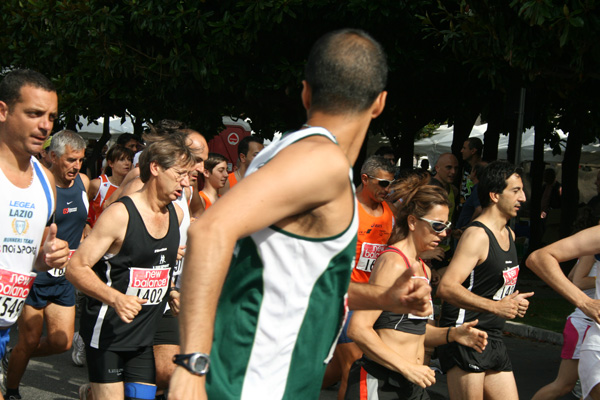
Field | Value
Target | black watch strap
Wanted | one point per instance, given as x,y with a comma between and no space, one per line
196,363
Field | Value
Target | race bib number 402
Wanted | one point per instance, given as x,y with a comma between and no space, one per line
510,282
14,289
148,284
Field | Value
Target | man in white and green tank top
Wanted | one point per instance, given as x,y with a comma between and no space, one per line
282,293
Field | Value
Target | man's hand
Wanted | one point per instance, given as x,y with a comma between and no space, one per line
468,335
407,292
56,251
174,302
127,307
523,303
591,308
512,305
184,386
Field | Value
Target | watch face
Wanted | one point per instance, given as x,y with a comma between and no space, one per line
199,363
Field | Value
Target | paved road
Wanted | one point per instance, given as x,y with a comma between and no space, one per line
535,364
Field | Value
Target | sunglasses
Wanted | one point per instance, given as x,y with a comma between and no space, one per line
383,182
437,226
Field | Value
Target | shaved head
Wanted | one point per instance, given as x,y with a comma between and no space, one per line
446,168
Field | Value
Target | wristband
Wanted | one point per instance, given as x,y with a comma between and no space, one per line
448,335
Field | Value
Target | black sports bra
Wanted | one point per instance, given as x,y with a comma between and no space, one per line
408,323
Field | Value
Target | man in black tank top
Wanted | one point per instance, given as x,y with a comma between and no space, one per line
125,267
480,283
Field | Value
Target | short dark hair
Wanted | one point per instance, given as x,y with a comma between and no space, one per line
244,145
477,144
213,160
10,87
346,71
493,180
118,151
166,152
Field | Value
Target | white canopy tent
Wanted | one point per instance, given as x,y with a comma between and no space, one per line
441,142
93,129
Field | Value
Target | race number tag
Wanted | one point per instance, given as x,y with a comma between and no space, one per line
58,272
368,254
510,282
177,272
14,288
148,284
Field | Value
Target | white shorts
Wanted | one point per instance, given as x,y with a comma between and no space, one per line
573,335
589,370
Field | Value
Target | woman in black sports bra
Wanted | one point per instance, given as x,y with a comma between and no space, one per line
394,344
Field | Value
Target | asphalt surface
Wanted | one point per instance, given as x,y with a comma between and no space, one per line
535,364
535,354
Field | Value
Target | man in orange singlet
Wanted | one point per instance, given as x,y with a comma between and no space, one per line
248,148
375,224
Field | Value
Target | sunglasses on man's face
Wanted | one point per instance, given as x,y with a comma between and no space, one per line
383,182
437,226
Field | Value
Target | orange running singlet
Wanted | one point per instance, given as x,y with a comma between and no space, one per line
232,179
97,205
207,202
373,235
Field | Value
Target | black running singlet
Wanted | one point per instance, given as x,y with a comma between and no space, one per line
142,268
494,278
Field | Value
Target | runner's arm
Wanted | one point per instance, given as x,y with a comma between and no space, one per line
107,236
92,191
54,252
545,263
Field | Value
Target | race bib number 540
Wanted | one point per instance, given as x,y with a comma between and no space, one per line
148,284
14,289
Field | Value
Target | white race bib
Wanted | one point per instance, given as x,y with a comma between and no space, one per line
510,282
14,289
148,284
368,254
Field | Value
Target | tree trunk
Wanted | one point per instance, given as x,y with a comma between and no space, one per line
542,130
463,126
570,189
96,159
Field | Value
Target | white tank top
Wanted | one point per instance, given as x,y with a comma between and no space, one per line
183,203
25,213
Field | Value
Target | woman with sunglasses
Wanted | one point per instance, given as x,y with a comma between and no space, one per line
394,344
